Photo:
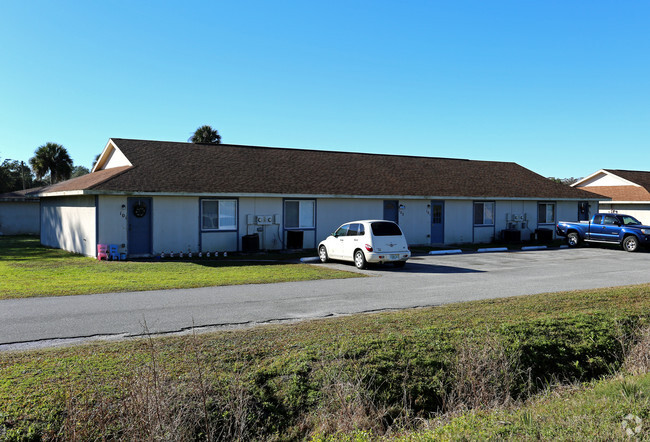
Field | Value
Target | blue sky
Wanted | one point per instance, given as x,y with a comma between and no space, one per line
562,88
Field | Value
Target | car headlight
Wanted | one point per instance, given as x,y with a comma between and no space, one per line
645,231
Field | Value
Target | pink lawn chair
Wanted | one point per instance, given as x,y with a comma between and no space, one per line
102,251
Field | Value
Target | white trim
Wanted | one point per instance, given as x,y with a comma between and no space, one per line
304,196
604,172
623,202
105,155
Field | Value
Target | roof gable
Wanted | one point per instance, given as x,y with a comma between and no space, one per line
619,185
172,167
111,157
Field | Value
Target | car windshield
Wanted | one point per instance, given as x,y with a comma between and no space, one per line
630,220
385,228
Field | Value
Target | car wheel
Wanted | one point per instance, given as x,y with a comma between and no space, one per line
630,244
573,239
360,260
322,254
399,264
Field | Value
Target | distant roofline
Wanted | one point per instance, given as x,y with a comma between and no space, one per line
116,140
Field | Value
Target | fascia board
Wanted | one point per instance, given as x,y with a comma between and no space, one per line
313,196
605,172
587,178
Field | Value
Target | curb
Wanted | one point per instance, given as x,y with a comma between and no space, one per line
445,252
310,259
493,249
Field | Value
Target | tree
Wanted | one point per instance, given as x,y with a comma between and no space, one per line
15,175
52,158
567,181
79,171
205,134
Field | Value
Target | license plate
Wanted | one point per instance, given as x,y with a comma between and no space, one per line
393,257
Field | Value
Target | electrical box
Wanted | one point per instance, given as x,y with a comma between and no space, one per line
276,219
250,219
264,219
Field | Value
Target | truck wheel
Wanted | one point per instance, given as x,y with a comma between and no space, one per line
573,239
630,244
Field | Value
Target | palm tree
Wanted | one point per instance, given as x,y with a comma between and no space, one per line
205,134
52,158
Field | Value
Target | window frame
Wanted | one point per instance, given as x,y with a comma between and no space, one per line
299,201
220,228
483,224
547,203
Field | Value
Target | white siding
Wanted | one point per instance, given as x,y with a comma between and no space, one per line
639,211
112,221
219,242
415,221
69,224
459,221
519,215
175,224
605,179
19,218
116,159
270,234
331,213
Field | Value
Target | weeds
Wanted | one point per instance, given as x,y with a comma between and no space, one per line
373,375
483,373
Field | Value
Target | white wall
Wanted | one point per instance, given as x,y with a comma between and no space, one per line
459,221
331,213
20,218
112,221
175,224
116,159
69,224
605,179
415,221
639,211
270,234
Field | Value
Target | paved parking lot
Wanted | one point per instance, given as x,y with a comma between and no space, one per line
425,281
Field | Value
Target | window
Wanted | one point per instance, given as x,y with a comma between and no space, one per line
484,214
546,213
342,231
356,230
610,220
218,214
630,220
299,214
385,228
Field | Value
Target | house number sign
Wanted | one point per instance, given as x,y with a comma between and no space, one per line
139,209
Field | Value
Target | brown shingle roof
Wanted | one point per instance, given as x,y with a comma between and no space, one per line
172,167
621,193
21,195
636,176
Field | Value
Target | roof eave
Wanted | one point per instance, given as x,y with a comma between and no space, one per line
319,196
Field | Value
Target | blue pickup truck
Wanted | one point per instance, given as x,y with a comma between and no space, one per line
610,228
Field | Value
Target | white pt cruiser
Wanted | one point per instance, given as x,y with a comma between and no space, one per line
374,241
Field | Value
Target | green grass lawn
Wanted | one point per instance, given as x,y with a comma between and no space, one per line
27,269
350,377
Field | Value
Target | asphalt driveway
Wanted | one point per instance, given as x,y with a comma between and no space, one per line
425,281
